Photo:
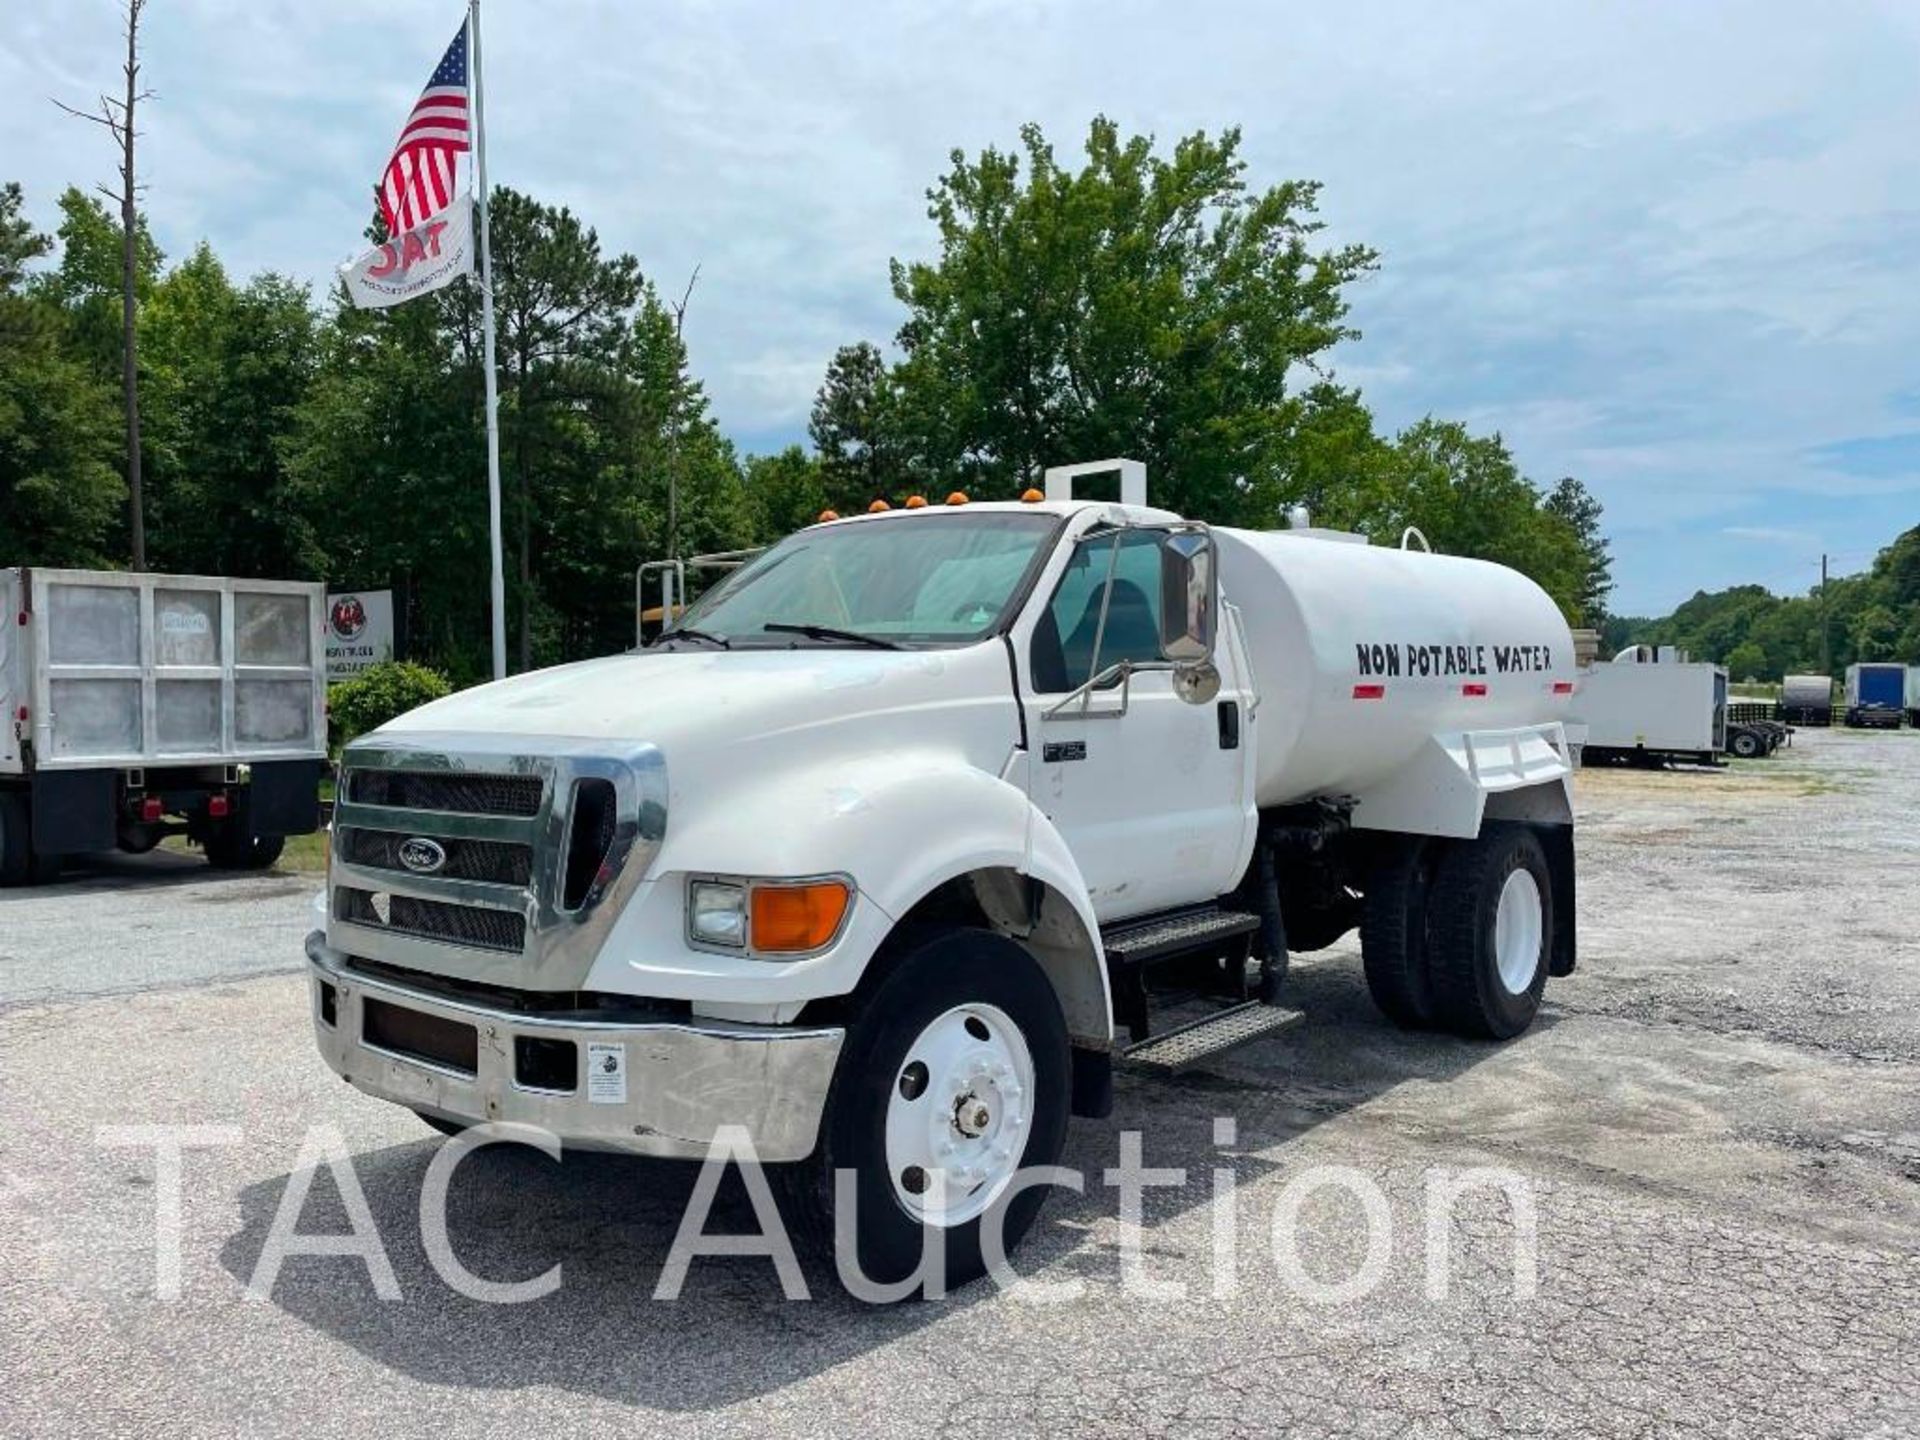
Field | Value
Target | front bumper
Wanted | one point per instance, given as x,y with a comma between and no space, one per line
661,1088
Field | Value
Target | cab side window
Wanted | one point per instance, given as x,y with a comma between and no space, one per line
1063,642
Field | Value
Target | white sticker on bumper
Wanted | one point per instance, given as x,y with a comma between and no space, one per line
606,1074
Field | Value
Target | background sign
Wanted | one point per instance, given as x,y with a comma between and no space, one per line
359,631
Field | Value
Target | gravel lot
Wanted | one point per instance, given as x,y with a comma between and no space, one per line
1718,1120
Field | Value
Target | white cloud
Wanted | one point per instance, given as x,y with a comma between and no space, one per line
1670,249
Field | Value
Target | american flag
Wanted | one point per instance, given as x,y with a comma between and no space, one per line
419,180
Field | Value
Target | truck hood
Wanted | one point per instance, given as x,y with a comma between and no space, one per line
704,698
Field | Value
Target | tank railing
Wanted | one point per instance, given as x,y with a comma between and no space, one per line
1413,532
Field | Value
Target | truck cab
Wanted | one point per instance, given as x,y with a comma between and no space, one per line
881,851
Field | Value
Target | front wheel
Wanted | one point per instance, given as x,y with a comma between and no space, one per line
1490,927
954,1078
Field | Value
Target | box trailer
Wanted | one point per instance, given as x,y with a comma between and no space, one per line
1876,695
133,707
1649,712
1807,700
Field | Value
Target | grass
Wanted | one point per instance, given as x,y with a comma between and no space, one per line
303,855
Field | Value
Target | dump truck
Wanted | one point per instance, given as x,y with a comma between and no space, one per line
913,827
138,706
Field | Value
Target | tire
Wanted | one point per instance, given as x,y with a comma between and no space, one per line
1745,744
925,1025
1393,933
232,849
18,863
1472,996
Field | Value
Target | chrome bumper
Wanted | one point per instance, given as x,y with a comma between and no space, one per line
675,1084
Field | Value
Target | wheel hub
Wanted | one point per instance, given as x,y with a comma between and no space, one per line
958,1115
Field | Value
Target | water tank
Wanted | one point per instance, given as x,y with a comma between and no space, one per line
1362,654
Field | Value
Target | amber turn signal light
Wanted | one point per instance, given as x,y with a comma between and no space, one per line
792,918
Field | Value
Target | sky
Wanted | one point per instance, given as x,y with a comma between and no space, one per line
1671,249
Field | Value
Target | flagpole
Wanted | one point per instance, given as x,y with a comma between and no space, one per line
486,324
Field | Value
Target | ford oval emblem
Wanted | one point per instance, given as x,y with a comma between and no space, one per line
421,855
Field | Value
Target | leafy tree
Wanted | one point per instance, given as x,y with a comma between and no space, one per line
1746,661
1466,495
1875,632
1141,305
226,369
1574,504
60,491
855,430
784,492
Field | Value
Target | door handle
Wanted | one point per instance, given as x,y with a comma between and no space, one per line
1228,714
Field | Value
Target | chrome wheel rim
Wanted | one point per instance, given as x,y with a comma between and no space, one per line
958,1115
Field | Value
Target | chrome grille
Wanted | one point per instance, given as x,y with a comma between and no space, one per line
434,920
544,839
462,793
493,862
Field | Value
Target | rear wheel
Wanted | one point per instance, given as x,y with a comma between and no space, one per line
232,848
1744,743
1490,928
1393,932
19,865
955,1076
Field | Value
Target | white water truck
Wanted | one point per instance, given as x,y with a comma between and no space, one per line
909,829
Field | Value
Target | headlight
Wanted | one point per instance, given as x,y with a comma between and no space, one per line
717,913
768,917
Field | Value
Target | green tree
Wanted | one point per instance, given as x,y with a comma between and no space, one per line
855,430
1575,505
1467,497
1141,305
785,492
60,490
1747,661
226,369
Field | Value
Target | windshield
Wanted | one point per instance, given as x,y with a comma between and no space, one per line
924,581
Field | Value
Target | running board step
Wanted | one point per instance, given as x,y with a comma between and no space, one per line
1144,941
1203,1039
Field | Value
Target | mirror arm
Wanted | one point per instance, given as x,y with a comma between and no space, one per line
1120,669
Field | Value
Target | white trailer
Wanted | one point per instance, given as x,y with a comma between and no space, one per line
884,852
135,706
1913,696
1645,711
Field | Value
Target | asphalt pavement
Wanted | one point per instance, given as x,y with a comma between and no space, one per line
1713,1134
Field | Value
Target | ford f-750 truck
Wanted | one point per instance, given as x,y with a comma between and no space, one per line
879,851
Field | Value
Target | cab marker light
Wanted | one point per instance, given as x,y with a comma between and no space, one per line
958,497
826,515
877,506
916,502
1031,497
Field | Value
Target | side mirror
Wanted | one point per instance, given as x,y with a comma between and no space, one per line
1189,596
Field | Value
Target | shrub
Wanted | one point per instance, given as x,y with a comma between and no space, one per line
378,694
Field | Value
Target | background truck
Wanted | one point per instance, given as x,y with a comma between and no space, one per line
133,707
1647,707
1876,695
1807,700
917,823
